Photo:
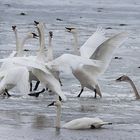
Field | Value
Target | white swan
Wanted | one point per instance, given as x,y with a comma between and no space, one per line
19,47
20,44
86,72
12,75
80,123
125,78
88,48
16,76
42,56
39,70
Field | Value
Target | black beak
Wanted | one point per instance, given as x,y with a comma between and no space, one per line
51,104
13,27
118,79
36,23
35,35
51,34
60,99
68,29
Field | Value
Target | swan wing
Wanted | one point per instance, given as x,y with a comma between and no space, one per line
27,62
71,61
91,70
23,83
95,40
80,123
105,51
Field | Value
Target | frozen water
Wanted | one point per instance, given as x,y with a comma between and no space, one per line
24,118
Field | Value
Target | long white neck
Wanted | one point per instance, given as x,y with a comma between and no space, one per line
20,50
41,54
134,88
50,50
17,40
58,116
76,47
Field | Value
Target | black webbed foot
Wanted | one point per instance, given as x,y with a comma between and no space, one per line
36,94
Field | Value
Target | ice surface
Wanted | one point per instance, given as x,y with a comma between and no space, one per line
24,118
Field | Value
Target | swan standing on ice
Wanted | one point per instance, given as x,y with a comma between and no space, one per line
45,57
86,73
39,70
12,75
80,123
125,78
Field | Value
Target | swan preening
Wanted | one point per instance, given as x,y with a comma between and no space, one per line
125,78
80,123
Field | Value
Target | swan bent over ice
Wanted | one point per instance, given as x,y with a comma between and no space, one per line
80,123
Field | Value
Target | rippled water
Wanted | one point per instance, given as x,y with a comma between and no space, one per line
30,118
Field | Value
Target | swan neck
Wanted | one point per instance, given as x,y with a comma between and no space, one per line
42,42
42,39
76,47
134,88
50,50
17,40
58,116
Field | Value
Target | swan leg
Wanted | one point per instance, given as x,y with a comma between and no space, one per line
98,91
95,96
31,86
6,93
60,82
36,85
82,89
36,94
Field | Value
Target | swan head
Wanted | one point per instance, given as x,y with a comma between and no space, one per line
71,30
36,23
39,25
55,103
32,35
122,78
14,28
51,34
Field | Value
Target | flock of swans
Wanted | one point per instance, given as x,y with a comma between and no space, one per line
87,63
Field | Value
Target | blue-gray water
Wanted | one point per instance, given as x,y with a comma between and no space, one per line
24,118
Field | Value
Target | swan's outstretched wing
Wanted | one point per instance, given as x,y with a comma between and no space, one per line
71,61
25,61
88,48
105,51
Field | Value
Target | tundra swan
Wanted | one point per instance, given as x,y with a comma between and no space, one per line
17,76
42,56
88,48
80,123
125,78
38,68
87,74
